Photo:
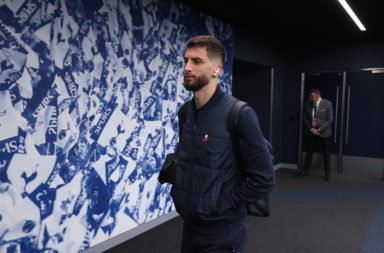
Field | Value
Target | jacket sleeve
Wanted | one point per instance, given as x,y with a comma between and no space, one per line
307,117
326,123
255,161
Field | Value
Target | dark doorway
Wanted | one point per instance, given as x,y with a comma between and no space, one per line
253,84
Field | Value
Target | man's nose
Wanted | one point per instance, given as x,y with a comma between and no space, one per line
187,67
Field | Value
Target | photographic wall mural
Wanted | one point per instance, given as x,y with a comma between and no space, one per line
89,93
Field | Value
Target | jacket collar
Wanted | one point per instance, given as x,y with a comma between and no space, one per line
211,102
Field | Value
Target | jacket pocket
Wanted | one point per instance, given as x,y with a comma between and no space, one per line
205,203
202,208
191,207
223,205
203,181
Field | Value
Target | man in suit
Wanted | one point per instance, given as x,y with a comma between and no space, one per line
318,118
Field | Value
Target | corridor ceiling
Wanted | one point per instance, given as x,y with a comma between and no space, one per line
299,22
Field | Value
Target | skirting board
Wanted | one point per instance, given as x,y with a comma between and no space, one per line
110,243
285,166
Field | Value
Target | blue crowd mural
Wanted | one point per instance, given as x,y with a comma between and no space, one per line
89,93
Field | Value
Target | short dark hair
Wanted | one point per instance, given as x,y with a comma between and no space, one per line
213,45
315,90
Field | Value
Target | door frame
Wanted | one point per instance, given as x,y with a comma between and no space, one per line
343,95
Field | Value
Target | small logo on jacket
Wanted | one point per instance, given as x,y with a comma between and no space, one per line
205,138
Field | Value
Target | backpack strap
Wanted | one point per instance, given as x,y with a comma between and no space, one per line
232,123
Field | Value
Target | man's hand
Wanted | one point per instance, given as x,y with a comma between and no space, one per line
315,131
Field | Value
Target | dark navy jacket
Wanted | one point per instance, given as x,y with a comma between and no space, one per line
209,186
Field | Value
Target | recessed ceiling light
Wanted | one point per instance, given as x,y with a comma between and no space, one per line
348,9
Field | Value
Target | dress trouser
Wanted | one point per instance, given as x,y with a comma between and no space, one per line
218,241
325,145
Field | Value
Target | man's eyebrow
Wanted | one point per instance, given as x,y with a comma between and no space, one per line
193,58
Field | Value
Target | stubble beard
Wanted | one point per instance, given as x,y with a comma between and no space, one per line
196,84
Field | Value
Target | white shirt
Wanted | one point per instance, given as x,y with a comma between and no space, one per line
317,106
313,111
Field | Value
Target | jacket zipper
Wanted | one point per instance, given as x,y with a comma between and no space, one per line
195,121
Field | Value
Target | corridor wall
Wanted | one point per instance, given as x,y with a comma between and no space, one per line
330,58
89,93
252,48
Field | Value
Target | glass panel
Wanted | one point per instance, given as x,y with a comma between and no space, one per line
364,125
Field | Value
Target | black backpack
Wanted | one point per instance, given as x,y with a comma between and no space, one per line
168,172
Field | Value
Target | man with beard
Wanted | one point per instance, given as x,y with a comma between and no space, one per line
210,191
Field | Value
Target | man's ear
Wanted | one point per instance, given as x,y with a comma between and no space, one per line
217,71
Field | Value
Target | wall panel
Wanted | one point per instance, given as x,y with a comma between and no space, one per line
89,92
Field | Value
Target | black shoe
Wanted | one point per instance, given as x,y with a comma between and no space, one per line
327,178
301,174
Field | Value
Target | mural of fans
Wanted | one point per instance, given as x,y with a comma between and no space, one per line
89,93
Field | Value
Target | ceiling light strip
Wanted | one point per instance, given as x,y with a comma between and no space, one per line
352,14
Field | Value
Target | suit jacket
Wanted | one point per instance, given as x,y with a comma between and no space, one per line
324,119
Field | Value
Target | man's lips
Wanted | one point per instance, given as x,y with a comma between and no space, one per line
189,77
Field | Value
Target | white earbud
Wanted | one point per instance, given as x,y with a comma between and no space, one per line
216,71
